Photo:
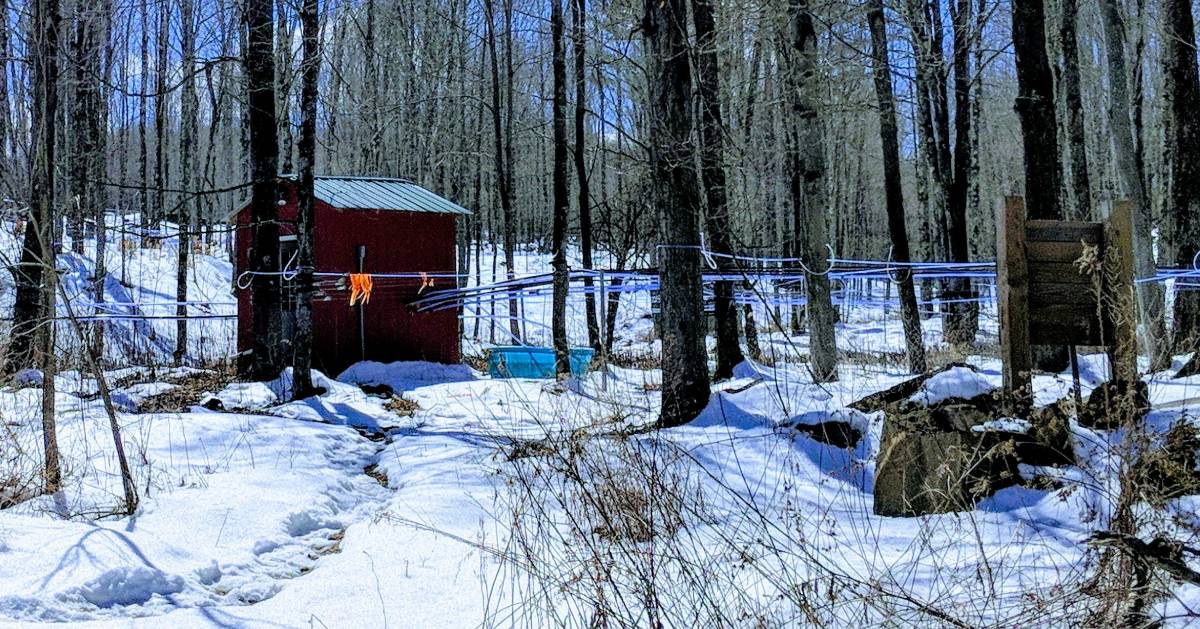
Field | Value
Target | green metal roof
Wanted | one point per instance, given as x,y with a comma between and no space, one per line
381,193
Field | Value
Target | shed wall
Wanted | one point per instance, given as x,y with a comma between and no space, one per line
396,242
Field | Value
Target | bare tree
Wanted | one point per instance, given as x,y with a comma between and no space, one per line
806,183
265,359
1181,96
1073,109
186,215
43,58
1129,171
579,42
558,243
677,195
893,192
502,135
1039,133
302,384
712,171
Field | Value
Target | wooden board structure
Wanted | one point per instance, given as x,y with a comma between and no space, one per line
1046,299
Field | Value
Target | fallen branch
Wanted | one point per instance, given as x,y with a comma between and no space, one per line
1161,552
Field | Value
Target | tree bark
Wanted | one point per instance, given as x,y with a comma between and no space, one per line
5,112
1181,96
25,345
893,192
503,155
1073,108
1124,144
302,382
806,173
1039,133
189,107
963,323
265,358
40,290
561,280
579,41
1035,108
677,195
712,171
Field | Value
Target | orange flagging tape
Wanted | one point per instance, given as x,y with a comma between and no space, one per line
360,288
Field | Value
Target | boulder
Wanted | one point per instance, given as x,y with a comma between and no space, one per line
1048,442
943,457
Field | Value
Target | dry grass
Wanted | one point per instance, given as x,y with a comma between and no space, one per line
187,392
401,406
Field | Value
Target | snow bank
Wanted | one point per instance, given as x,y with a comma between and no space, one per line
402,376
956,382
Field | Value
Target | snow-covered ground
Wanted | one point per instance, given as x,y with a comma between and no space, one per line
480,501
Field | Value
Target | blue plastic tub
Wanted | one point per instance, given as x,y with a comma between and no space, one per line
534,362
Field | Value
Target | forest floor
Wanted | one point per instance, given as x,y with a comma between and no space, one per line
446,498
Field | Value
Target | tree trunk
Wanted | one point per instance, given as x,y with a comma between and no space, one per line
579,41
265,358
283,85
963,323
187,147
893,192
1181,96
302,383
1039,133
162,165
806,173
712,171
40,291
1150,294
5,112
1073,107
558,324
25,345
503,166
1035,108
677,195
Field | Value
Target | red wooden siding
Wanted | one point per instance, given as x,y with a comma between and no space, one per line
396,242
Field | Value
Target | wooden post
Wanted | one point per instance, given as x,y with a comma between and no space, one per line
1012,283
1121,298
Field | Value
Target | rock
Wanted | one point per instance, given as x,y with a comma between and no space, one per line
1114,403
1048,441
879,400
932,460
838,434
378,390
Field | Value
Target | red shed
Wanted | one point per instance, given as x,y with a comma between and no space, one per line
380,227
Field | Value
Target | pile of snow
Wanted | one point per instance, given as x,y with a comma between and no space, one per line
403,376
955,382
